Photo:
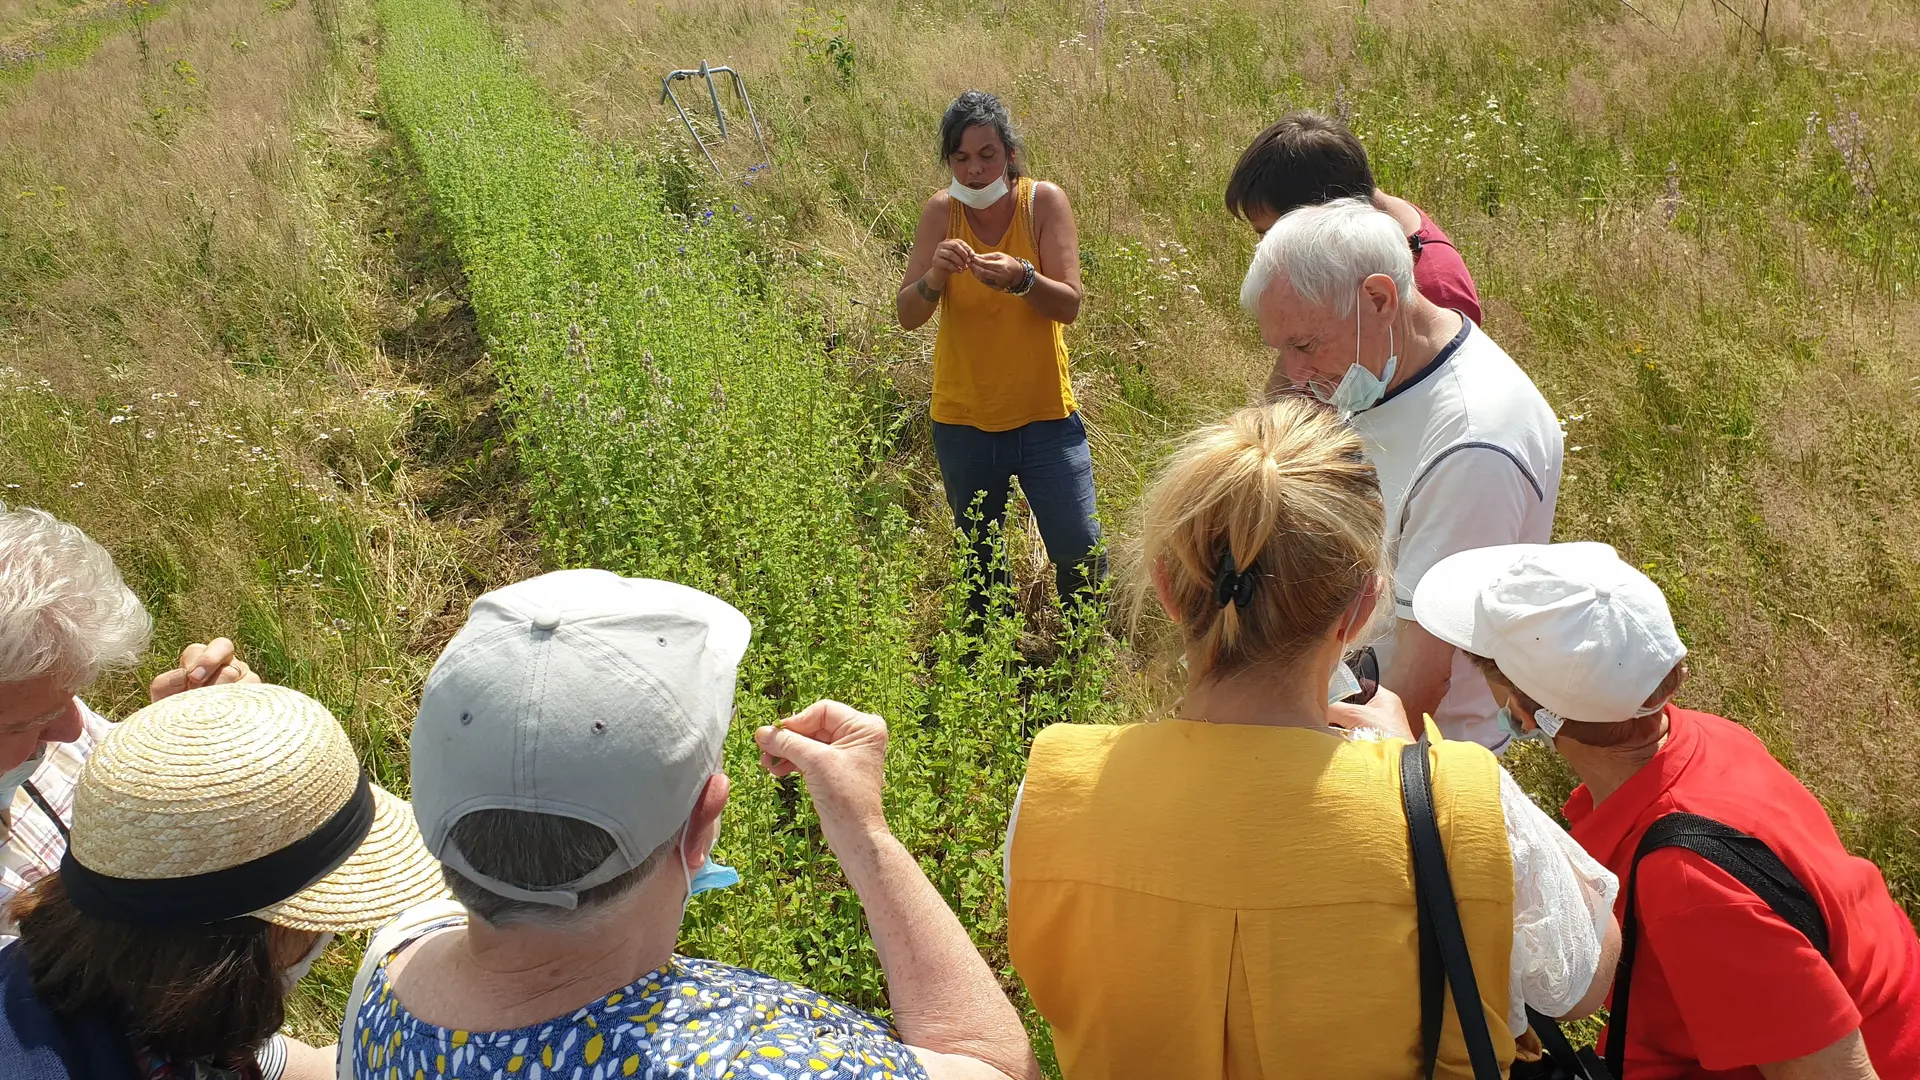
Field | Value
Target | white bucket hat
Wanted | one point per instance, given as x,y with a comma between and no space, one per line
1573,626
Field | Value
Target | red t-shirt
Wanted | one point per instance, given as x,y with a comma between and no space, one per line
1440,273
1721,983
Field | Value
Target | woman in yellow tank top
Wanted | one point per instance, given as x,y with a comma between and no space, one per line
1228,893
996,255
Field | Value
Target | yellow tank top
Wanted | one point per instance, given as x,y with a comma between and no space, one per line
1198,901
997,363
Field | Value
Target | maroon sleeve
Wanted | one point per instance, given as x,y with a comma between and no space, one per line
1441,273
1749,987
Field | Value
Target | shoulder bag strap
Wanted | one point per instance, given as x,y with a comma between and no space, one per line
1748,859
1433,985
1434,888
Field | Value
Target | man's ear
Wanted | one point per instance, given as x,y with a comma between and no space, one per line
1379,293
703,825
1163,588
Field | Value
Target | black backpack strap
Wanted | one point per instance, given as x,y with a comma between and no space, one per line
1440,916
1750,862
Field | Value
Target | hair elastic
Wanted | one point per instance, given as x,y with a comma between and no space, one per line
1231,586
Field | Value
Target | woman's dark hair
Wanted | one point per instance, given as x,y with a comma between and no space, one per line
974,109
198,992
1304,159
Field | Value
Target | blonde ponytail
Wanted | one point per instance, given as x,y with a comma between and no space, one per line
1268,525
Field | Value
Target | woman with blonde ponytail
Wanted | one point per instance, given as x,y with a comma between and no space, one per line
1227,891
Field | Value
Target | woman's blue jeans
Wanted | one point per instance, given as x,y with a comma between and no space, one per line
1056,471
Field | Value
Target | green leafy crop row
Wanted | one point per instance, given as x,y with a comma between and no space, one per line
677,418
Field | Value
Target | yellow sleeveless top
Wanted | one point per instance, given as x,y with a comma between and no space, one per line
1198,901
997,363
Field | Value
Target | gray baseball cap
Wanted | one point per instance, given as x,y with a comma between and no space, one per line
583,694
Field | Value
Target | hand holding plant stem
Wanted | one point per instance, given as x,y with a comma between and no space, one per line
203,665
842,752
947,1004
997,270
953,256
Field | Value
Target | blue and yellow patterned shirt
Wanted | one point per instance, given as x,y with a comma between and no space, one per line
689,1019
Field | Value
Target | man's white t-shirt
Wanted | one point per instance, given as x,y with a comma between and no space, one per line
1469,456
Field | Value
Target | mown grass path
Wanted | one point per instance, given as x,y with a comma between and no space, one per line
678,418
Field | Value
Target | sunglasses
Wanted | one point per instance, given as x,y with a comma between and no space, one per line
1366,670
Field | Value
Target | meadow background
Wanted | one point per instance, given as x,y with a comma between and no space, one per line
325,315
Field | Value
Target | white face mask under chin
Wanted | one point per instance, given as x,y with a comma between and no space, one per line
292,976
1360,389
979,198
12,779
1342,684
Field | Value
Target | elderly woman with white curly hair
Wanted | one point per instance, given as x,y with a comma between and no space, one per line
66,616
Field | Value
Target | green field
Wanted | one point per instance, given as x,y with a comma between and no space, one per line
338,312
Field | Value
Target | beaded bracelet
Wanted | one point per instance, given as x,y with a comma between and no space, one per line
1026,283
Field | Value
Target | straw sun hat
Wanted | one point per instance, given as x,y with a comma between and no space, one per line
240,800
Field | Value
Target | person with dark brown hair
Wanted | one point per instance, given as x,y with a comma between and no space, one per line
1306,159
220,837
997,258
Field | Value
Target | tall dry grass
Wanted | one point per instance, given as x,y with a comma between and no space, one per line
232,351
1703,251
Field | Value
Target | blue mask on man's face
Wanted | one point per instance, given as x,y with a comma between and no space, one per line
1512,728
711,875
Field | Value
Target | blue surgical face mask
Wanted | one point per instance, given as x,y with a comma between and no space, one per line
1546,725
711,875
1513,732
1360,389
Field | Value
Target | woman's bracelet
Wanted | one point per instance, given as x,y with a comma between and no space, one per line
1026,283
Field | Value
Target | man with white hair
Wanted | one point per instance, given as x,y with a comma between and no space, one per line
66,616
1468,451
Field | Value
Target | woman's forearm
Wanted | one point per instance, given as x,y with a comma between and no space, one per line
943,995
916,303
1057,300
